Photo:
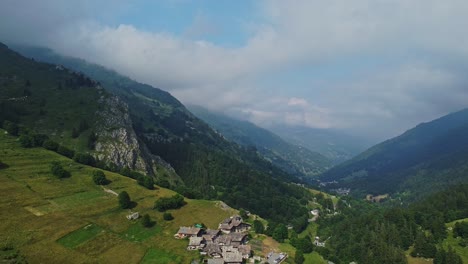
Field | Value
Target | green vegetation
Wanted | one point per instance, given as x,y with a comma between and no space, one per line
425,159
461,230
99,178
291,158
11,128
447,257
146,182
157,256
50,145
168,216
79,236
166,203
201,157
299,257
44,210
258,227
46,99
138,232
58,171
84,158
381,235
11,255
146,221
124,200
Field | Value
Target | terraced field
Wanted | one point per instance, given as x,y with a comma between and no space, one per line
72,220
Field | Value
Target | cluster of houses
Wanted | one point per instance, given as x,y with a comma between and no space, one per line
227,244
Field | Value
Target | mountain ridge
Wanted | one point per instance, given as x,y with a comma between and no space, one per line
423,157
294,159
204,164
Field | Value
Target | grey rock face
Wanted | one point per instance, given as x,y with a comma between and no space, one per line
118,143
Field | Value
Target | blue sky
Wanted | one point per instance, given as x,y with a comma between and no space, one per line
369,67
223,23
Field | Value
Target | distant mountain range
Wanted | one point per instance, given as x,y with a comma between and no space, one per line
333,144
292,158
427,158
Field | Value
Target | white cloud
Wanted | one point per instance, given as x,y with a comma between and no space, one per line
291,34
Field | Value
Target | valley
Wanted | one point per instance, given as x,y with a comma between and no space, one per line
72,145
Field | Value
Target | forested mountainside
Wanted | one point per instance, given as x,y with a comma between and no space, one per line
427,158
152,127
336,145
430,229
291,158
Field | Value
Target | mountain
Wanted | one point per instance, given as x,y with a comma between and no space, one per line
426,158
333,144
139,127
293,159
72,109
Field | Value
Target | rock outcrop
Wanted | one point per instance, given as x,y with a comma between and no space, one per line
118,143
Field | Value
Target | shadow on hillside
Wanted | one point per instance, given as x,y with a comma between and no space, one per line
132,205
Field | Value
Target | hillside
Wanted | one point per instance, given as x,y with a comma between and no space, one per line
291,158
72,220
426,158
158,135
337,146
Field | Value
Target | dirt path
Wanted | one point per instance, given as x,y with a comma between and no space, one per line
109,191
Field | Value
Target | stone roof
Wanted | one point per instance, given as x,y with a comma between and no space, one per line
195,241
232,257
215,261
189,230
211,232
237,237
245,249
231,222
224,239
212,248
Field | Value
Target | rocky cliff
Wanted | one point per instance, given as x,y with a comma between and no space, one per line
118,143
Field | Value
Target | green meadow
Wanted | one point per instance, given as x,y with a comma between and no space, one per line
72,220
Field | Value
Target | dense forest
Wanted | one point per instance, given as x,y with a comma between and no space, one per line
366,233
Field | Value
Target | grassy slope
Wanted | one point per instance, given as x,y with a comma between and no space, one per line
453,242
66,207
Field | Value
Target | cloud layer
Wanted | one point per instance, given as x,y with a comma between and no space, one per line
401,62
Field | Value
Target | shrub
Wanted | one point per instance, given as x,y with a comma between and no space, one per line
29,140
164,183
146,221
299,257
166,203
65,152
84,158
168,216
58,171
50,145
124,200
146,182
99,177
39,139
258,227
11,128
26,141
